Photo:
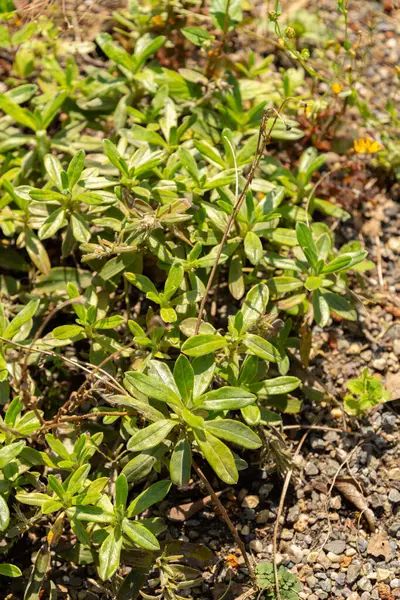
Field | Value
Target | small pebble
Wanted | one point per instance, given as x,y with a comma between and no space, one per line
337,546
364,584
311,469
250,502
394,496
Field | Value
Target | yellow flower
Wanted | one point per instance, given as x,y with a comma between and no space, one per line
336,88
366,146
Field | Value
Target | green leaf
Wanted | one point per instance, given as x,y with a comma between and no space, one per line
202,344
52,224
140,535
283,284
109,554
168,315
80,228
235,432
313,283
54,170
66,332
115,158
25,315
174,280
10,570
142,282
75,168
278,385
138,133
306,242
109,322
4,514
340,306
226,14
93,514
321,308
153,388
197,35
254,305
152,495
218,456
184,378
181,463
225,398
253,248
21,115
261,348
151,436
115,52
40,567
121,491
8,453
37,252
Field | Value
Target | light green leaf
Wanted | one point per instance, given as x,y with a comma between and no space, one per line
261,348
153,388
140,535
52,224
153,494
235,432
109,554
151,436
4,514
181,463
254,305
8,570
218,456
199,345
25,315
225,398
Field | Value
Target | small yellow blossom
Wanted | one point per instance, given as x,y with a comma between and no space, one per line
366,146
336,88
158,21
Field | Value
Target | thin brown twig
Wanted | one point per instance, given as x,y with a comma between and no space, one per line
320,428
228,521
264,138
278,517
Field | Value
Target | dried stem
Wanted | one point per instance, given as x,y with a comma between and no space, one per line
228,521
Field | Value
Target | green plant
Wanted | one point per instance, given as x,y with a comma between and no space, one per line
165,255
289,585
367,391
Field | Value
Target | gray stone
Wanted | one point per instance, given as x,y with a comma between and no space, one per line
257,546
311,469
353,571
384,575
365,596
287,534
326,585
337,546
331,468
293,514
394,496
379,364
362,544
364,584
295,554
395,583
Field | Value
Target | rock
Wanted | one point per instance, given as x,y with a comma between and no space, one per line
394,244
245,530
379,364
350,551
317,443
365,596
264,515
396,347
257,546
376,500
353,572
384,575
265,490
334,558
326,585
337,546
394,496
364,584
362,544
335,503
293,514
311,469
311,581
366,355
250,502
394,529
287,534
295,554
395,583
331,468
312,557
354,349
393,382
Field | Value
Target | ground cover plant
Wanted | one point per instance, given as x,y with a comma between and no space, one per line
165,257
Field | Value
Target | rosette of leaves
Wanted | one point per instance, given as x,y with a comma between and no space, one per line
104,526
367,391
289,585
183,409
